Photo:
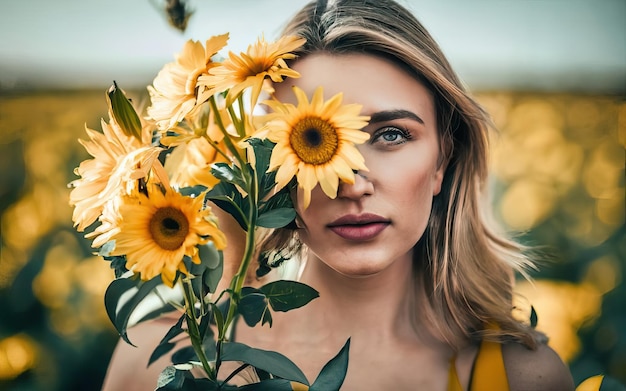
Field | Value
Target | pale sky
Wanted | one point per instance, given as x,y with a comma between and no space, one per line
565,45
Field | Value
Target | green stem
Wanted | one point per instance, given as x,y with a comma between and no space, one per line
217,149
227,140
240,278
194,330
242,131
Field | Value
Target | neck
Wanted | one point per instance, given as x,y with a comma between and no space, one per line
376,306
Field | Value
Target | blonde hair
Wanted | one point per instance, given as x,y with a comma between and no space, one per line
464,269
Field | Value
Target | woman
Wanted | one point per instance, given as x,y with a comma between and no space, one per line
405,261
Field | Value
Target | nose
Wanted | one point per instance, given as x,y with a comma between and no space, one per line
361,187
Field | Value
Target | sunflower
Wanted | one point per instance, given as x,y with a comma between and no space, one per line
204,126
155,231
190,164
118,158
175,92
316,141
261,60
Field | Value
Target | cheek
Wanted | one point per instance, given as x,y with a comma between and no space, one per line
408,181
307,217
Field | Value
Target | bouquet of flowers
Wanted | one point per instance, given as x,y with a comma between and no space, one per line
147,194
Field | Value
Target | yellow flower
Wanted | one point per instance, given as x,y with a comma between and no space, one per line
249,70
204,125
316,141
155,231
190,164
109,223
118,159
175,92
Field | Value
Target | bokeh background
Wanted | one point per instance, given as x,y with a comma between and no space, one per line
552,73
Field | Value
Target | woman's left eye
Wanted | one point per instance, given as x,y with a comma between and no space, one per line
391,136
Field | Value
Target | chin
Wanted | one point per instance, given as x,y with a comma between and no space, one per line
362,264
361,269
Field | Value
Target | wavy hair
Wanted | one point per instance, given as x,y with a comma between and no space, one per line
464,267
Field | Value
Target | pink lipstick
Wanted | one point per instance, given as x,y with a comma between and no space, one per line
359,227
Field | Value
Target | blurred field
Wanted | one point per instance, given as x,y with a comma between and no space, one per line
558,180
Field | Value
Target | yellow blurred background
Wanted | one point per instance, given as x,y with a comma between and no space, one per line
558,180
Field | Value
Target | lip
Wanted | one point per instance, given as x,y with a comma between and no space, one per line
359,227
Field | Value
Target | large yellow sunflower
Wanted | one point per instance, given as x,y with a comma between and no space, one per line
155,231
175,91
118,158
316,141
249,69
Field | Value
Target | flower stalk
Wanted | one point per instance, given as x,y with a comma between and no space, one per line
193,328
240,278
227,140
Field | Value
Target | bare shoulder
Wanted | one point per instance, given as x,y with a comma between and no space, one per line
128,369
539,369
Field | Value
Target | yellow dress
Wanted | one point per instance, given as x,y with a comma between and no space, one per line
488,372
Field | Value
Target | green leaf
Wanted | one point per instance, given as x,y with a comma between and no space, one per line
228,197
267,318
123,112
269,385
219,317
208,345
272,362
212,277
205,327
262,154
113,293
117,263
192,191
209,255
252,305
170,379
282,199
334,372
231,205
207,385
160,350
533,317
105,250
120,316
276,218
165,345
285,295
184,355
208,272
227,173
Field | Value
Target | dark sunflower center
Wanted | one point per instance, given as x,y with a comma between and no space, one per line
169,228
314,140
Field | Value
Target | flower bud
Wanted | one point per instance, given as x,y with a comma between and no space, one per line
123,111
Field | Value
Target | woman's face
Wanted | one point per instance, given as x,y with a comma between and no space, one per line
375,222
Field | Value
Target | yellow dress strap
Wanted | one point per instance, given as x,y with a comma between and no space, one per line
488,372
453,379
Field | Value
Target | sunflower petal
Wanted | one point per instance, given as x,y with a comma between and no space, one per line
329,182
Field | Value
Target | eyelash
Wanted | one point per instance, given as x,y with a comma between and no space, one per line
379,134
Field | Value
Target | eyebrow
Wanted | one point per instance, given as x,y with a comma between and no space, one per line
390,115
